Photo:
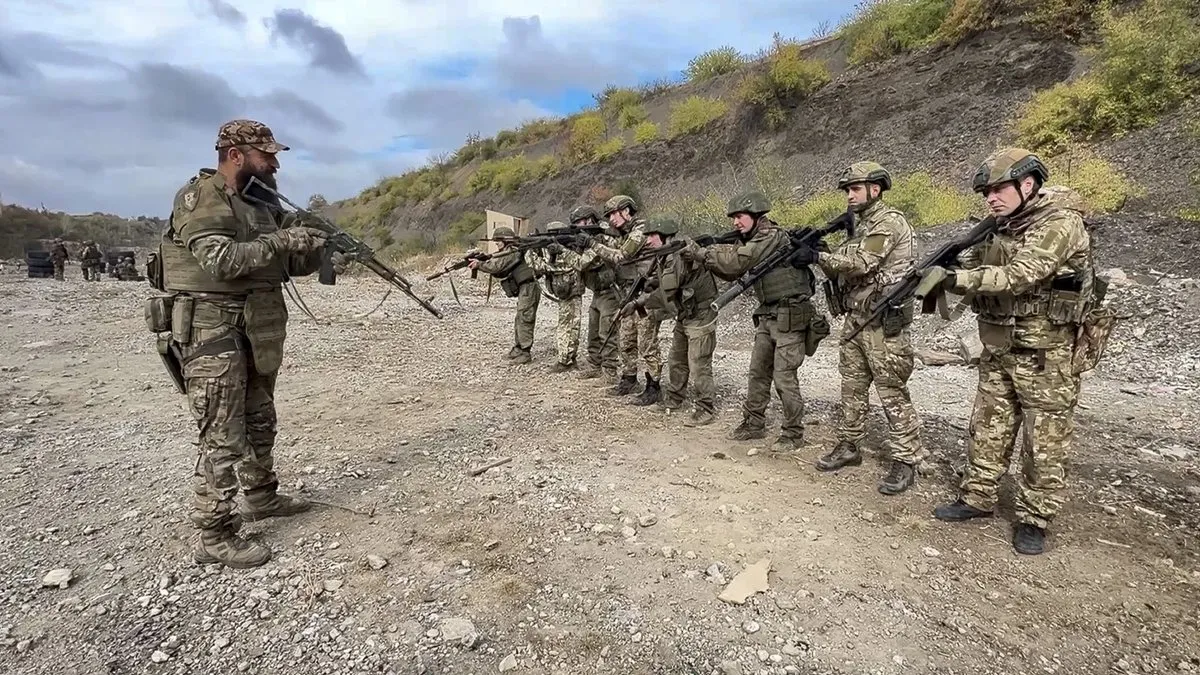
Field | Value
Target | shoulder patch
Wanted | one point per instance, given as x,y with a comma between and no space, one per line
876,241
191,197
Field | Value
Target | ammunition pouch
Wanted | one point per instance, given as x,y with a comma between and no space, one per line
510,286
1092,339
183,310
818,329
158,310
154,271
996,338
833,299
896,319
266,328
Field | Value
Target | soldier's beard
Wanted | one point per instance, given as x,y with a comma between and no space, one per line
245,173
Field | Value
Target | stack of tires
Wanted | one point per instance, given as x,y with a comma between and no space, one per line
39,264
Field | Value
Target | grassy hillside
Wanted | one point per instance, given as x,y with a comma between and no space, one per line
22,228
1104,90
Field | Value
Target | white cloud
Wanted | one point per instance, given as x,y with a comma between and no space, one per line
112,105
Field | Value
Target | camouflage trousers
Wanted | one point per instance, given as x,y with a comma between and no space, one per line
233,406
59,267
528,298
888,362
692,344
639,342
566,333
778,352
601,313
1022,390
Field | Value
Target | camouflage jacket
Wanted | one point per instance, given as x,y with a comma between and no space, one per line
556,274
1032,281
881,251
685,291
614,249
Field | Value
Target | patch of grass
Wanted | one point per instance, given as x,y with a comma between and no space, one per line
505,175
966,18
787,78
587,133
547,166
817,209
645,132
631,116
1069,18
880,29
609,148
715,62
1101,186
539,129
612,99
1143,71
461,231
695,113
927,203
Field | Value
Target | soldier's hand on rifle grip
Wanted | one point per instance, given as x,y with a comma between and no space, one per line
340,262
473,265
299,239
692,251
804,255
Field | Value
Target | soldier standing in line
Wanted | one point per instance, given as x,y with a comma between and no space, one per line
788,326
90,258
1031,284
58,257
223,261
879,253
600,279
561,283
685,290
518,280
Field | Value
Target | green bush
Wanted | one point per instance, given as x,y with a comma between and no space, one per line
712,63
1102,187
880,29
609,148
506,139
1143,70
461,231
645,132
926,203
547,166
695,113
586,135
502,175
539,129
1069,18
613,99
966,18
787,78
818,209
631,116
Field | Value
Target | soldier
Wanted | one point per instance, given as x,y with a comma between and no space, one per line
58,257
127,270
223,263
638,334
1031,285
686,290
877,254
788,326
518,281
561,283
600,279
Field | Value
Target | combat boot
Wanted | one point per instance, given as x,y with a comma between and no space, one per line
650,394
514,352
900,477
523,356
560,367
221,545
590,371
747,432
1028,539
958,510
843,454
267,502
786,446
626,386
700,417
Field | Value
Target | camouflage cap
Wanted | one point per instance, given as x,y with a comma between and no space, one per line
1008,164
618,202
503,232
248,132
583,212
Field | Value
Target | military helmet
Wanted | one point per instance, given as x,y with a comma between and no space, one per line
1008,165
618,202
503,232
582,213
865,172
555,225
662,225
748,202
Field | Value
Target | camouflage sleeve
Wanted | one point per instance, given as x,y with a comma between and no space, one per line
730,261
971,258
205,224
618,251
225,258
1044,249
501,264
538,261
869,255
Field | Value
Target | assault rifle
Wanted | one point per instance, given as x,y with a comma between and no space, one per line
461,263
337,241
804,237
538,240
703,241
911,284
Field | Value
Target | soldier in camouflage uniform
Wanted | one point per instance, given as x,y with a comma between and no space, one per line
90,261
518,280
127,270
638,334
878,254
561,283
788,326
599,278
58,257
1031,285
686,291
223,261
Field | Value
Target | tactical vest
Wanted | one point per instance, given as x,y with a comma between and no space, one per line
784,281
693,296
514,275
857,294
1062,300
599,279
182,271
627,274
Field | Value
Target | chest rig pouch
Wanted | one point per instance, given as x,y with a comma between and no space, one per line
266,329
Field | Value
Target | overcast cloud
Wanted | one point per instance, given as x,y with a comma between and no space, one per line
110,106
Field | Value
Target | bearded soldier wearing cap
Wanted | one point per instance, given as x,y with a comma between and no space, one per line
686,290
878,254
519,281
222,262
561,283
638,334
788,326
1032,285
598,277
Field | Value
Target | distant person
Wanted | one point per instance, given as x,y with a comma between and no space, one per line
58,257
517,280
91,261
561,283
223,261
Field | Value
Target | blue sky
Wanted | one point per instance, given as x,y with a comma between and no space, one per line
111,105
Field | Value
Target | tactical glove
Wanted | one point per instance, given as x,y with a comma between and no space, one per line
805,255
